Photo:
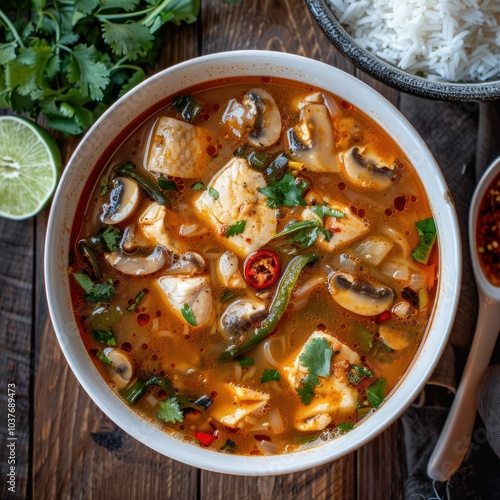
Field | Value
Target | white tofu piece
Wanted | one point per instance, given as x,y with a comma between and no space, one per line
335,397
238,200
191,290
176,149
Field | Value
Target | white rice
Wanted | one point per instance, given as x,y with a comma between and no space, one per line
444,40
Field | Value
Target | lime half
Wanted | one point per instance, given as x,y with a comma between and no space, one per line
29,167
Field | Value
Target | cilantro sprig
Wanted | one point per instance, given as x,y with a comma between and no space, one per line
94,292
71,60
285,192
317,357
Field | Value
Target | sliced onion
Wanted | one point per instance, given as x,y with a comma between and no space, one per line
152,400
155,324
395,270
301,296
250,373
399,239
191,230
347,262
166,333
268,355
237,373
417,281
276,421
268,448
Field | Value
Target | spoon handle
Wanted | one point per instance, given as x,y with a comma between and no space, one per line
454,440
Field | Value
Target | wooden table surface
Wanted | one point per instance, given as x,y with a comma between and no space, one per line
66,447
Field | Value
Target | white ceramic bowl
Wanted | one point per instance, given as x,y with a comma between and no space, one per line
130,108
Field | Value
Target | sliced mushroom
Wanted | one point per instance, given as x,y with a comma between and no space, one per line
258,118
368,172
312,141
241,314
121,368
132,239
188,263
360,296
139,263
229,274
123,201
267,125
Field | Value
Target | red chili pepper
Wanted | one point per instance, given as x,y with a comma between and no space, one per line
205,438
262,269
383,317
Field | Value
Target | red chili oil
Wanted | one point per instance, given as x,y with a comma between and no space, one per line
488,232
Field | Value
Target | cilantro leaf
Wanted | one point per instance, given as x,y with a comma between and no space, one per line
306,392
285,192
269,375
198,186
127,5
85,71
188,315
170,411
306,238
127,39
104,185
228,447
322,211
375,393
136,78
295,226
345,427
104,336
236,228
7,52
317,357
213,193
100,292
244,362
111,237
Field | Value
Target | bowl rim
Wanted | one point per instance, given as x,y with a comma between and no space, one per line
57,282
391,75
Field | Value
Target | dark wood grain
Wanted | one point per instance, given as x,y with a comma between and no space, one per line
76,452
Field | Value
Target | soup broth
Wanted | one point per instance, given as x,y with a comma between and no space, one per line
255,267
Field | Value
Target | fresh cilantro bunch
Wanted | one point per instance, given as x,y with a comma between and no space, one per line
70,59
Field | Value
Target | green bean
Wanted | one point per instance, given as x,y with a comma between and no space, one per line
134,392
276,309
127,169
88,252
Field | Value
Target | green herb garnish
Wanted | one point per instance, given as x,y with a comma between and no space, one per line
170,411
306,392
103,358
137,299
188,315
322,211
112,236
104,336
236,228
285,192
100,292
228,447
198,186
269,375
244,362
345,427
189,107
213,193
375,393
104,185
167,184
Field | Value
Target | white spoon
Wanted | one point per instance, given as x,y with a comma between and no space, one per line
454,440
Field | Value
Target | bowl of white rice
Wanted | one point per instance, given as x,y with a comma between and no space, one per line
440,49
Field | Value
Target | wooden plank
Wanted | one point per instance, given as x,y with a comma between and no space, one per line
16,272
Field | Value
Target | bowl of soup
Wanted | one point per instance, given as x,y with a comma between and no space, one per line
252,263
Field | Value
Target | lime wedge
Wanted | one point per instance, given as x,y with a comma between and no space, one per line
29,167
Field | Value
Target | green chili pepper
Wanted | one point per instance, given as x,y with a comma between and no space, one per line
133,393
127,169
276,309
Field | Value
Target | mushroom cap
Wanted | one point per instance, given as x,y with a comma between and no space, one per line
367,298
267,123
123,201
121,368
240,313
368,172
139,263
